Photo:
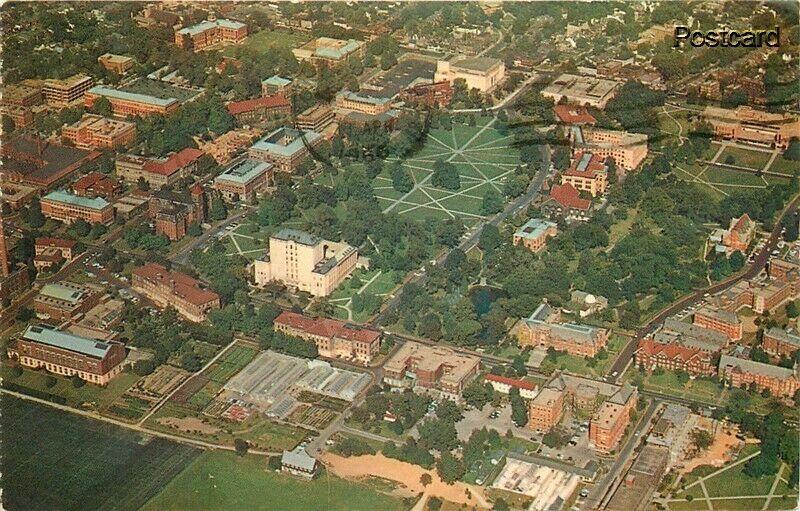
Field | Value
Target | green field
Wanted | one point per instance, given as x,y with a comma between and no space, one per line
231,363
721,181
222,481
56,460
745,157
266,41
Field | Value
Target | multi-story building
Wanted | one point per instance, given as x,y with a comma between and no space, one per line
21,116
66,354
41,163
209,33
739,234
720,320
244,180
158,172
125,104
609,422
353,101
675,331
260,109
315,118
534,233
482,73
564,201
96,184
22,95
334,339
750,126
546,409
190,297
64,301
435,370
66,92
306,262
759,296
587,173
275,84
739,372
628,150
433,95
286,148
543,328
504,384
97,132
582,90
14,279
173,212
780,342
67,207
574,115
673,357
52,251
299,463
119,64
782,270
326,51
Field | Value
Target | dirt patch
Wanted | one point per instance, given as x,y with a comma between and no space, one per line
406,474
189,425
719,453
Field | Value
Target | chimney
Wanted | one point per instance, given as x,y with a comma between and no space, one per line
4,269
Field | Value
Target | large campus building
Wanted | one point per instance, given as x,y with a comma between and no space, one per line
544,328
51,251
581,90
651,354
306,262
243,180
315,118
587,173
370,105
64,301
334,339
40,163
329,52
534,234
97,132
251,111
67,207
628,150
173,212
14,279
482,73
66,92
750,126
436,370
209,33
546,409
286,148
190,297
158,172
740,372
721,320
125,104
610,420
66,354
780,342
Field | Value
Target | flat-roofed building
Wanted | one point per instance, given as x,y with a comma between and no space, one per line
158,172
329,52
275,84
546,409
628,150
124,103
119,64
587,173
581,90
346,100
67,207
435,370
504,384
209,33
190,297
14,278
750,126
333,338
306,262
97,132
757,295
299,463
66,92
64,301
260,109
544,328
22,95
610,420
482,73
244,180
52,251
41,163
286,148
315,118
534,233
739,372
693,336
21,116
780,342
720,320
67,355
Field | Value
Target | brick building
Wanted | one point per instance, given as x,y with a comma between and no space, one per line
750,126
673,357
52,251
739,372
209,33
544,328
275,84
244,180
96,184
581,90
173,212
158,172
66,92
435,370
564,201
97,132
329,52
67,207
628,150
315,118
432,95
609,422
546,409
286,148
534,234
14,279
587,173
64,301
504,384
739,234
190,297
334,339
260,109
720,320
40,163
574,114
781,343
125,104
357,102
119,64
66,354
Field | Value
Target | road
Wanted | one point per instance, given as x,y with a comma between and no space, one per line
758,264
182,256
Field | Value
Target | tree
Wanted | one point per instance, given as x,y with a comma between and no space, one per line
7,125
388,60
425,479
218,210
701,439
434,504
194,229
241,445
401,178
438,434
102,106
50,381
450,468
445,175
500,505
449,411
77,381
492,202
519,410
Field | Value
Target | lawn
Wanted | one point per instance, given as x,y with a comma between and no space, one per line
266,41
667,382
223,481
68,462
784,166
745,157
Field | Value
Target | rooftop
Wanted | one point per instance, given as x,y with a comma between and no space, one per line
97,203
244,171
534,228
65,293
276,81
326,327
208,25
482,64
286,141
181,284
56,338
302,237
727,362
784,336
108,92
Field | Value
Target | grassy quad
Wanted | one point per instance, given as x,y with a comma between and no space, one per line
745,157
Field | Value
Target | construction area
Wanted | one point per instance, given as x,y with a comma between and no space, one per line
273,383
550,488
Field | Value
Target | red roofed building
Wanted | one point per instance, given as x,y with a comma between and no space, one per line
260,109
574,114
334,339
588,173
432,95
158,172
95,184
190,297
565,201
673,357
503,384
739,234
